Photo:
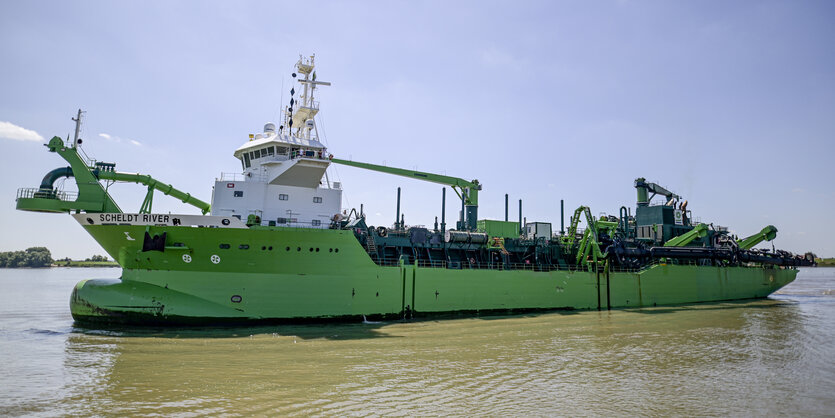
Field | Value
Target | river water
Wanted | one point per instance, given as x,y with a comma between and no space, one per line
765,357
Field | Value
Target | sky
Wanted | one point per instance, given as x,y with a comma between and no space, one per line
729,104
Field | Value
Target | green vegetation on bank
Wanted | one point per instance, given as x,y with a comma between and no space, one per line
80,263
825,262
41,257
94,261
32,257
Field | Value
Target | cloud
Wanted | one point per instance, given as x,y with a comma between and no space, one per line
9,130
115,138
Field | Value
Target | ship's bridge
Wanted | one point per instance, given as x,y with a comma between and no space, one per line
281,159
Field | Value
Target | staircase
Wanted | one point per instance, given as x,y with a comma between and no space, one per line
372,246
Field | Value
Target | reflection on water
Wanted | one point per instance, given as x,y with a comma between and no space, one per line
759,357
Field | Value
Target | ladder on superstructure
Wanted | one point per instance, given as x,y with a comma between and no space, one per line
372,246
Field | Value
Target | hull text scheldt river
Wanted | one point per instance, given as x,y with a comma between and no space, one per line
277,245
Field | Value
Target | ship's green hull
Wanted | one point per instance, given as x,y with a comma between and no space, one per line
288,274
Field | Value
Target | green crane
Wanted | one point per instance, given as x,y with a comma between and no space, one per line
465,189
644,187
767,234
92,196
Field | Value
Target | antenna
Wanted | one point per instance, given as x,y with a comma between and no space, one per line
77,141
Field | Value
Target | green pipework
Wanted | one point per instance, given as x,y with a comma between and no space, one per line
50,178
92,196
154,184
568,239
767,234
699,231
590,244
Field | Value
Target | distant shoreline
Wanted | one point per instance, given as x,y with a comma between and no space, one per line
825,262
74,263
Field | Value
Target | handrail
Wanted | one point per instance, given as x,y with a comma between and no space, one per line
33,192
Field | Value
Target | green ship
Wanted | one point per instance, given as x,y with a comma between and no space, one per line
276,245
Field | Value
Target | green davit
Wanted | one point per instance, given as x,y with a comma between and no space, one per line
276,245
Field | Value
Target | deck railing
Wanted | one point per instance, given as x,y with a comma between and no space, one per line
33,192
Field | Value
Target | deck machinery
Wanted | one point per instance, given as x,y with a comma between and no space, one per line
662,232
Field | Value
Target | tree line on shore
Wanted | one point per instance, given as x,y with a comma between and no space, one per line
38,257
31,257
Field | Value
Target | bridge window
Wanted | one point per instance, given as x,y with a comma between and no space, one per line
316,222
283,196
257,153
282,150
271,151
246,160
317,200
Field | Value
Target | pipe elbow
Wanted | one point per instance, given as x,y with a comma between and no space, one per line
50,178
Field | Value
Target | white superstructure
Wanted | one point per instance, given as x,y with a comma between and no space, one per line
284,180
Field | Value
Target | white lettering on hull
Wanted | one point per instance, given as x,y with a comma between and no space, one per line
158,220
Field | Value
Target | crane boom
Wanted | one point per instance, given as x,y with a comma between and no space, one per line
645,186
465,189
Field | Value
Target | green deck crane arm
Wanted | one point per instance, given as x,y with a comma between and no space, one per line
699,231
467,190
643,186
767,234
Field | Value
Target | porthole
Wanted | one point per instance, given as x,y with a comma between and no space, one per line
311,249
224,246
270,248
298,248
336,250
243,247
330,250
317,250
288,248
263,247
